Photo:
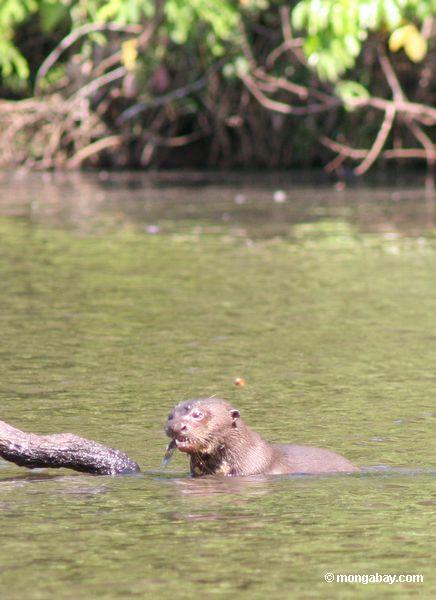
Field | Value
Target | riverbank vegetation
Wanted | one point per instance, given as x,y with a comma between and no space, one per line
254,83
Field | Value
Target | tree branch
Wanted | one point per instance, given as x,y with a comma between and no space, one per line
96,84
360,153
94,148
421,112
62,450
424,140
72,38
284,107
379,142
391,76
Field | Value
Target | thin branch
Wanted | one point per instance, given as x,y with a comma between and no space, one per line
379,142
285,19
421,112
142,41
428,27
273,56
302,91
425,141
391,76
334,164
246,48
73,37
355,153
361,153
280,107
283,107
407,153
177,94
179,140
92,149
280,82
91,87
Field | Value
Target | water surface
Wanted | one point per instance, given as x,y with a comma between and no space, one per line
121,295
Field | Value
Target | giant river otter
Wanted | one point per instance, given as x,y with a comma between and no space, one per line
218,441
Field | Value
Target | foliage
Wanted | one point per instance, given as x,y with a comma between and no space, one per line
182,67
184,21
336,29
12,14
409,38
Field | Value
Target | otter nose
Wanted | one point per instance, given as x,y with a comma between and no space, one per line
175,429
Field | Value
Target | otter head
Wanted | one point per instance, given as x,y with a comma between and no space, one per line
201,426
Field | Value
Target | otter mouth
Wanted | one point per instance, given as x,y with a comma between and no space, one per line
185,444
182,443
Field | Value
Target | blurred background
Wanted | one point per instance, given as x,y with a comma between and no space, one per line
235,84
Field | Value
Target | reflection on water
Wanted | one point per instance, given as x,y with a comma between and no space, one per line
121,295
250,205
259,484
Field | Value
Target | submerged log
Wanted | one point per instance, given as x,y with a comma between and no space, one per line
62,450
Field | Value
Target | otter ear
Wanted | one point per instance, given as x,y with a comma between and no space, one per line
235,415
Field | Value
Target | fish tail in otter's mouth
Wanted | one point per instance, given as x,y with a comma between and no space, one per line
169,452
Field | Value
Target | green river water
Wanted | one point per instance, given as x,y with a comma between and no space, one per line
121,295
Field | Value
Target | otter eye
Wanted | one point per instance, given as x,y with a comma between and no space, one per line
197,414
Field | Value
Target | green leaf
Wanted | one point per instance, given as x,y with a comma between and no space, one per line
52,14
352,45
299,15
12,61
350,90
392,14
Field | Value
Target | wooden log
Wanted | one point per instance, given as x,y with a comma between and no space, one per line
62,450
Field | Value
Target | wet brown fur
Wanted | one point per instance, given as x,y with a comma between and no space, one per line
219,442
